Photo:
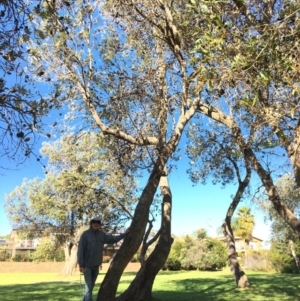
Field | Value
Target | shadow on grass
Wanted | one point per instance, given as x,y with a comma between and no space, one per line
265,287
45,291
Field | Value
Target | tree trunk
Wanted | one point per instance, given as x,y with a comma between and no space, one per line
292,247
274,197
71,259
264,175
238,274
132,241
140,288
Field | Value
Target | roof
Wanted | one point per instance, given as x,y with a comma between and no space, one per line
239,238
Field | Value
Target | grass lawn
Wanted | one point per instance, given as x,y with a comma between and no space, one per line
168,286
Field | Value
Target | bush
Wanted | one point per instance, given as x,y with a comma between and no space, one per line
135,258
259,260
5,255
282,262
48,251
200,252
173,260
172,264
17,258
206,254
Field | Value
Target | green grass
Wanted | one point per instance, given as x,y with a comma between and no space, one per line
168,286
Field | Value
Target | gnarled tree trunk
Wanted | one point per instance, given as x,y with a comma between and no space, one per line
132,241
292,247
235,268
140,288
239,275
70,259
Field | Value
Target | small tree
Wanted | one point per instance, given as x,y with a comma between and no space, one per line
48,250
205,254
197,251
243,224
173,262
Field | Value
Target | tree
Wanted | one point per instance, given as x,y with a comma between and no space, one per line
216,156
282,236
126,96
139,71
197,251
80,181
21,109
48,250
258,80
287,188
243,224
240,277
173,261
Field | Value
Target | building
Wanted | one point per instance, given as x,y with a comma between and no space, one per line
22,244
15,245
255,243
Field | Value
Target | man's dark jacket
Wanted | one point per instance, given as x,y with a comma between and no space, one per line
91,245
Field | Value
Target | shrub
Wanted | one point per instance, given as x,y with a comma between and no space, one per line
135,258
5,255
17,258
259,260
206,254
173,260
282,262
172,264
48,251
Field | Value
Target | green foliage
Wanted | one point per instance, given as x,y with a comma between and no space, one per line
23,257
196,252
17,258
173,260
5,255
172,264
207,254
243,224
281,262
48,250
287,188
81,180
281,257
259,261
135,258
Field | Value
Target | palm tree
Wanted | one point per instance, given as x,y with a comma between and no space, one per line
243,226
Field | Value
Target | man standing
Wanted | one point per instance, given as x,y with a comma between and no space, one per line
89,255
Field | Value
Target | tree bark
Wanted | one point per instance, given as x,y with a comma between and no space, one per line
133,239
239,275
140,288
292,247
70,260
274,197
250,156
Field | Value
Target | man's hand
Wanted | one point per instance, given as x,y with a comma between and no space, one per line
82,269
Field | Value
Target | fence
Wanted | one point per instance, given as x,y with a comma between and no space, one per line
31,267
50,267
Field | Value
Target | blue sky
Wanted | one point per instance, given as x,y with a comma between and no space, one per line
201,206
